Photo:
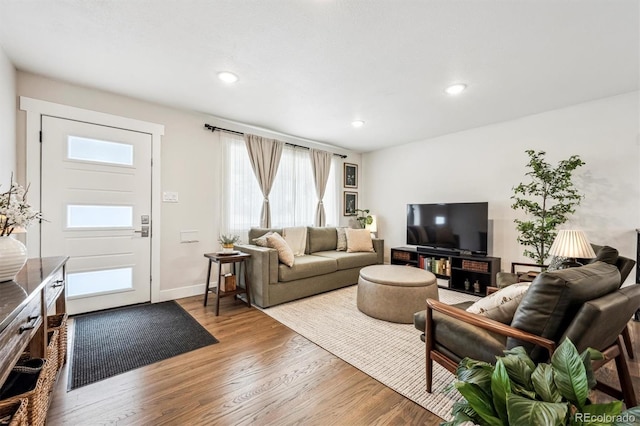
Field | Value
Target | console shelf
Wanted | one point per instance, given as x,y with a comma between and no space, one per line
452,269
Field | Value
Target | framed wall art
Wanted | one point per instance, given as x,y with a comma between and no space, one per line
350,203
350,175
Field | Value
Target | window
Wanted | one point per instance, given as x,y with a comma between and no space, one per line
293,196
104,281
84,216
85,149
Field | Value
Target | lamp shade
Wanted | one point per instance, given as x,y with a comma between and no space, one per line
573,244
373,226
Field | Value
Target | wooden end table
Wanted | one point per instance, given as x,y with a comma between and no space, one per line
222,258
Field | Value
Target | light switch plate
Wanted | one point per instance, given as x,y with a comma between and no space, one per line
169,197
189,236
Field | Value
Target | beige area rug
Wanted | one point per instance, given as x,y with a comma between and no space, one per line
391,353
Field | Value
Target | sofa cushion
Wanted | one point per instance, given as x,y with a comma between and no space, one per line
322,239
420,318
285,255
307,266
342,239
501,305
604,254
262,240
599,321
458,337
359,240
555,297
258,232
350,260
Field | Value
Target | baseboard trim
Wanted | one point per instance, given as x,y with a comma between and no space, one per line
180,292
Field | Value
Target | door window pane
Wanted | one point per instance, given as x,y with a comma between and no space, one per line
82,216
99,151
109,280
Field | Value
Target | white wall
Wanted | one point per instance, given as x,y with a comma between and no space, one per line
7,120
191,166
484,164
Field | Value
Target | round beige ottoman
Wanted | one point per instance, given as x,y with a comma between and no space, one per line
395,292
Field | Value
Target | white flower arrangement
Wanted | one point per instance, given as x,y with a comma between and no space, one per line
15,212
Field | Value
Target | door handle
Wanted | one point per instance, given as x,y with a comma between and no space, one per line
144,232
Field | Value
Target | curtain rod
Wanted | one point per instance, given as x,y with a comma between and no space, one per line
214,128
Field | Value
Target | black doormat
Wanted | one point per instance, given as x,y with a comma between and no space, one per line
112,342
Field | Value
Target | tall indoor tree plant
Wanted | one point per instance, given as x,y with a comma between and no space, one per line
548,199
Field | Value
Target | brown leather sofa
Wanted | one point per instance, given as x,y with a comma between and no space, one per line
584,304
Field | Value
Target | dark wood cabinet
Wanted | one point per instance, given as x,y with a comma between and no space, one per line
454,271
38,291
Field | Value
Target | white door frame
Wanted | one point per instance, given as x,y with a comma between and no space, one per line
35,109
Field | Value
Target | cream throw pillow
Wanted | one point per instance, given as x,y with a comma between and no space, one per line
296,238
501,305
285,255
358,240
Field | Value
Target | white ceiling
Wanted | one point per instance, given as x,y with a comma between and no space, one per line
309,67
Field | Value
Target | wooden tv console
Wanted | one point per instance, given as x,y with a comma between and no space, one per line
461,268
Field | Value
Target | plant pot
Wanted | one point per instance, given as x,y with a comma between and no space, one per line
227,248
13,256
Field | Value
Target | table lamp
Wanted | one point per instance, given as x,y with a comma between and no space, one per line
571,244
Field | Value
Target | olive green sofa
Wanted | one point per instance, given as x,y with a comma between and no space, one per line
321,269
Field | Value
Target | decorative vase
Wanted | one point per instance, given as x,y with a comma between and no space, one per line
13,256
227,248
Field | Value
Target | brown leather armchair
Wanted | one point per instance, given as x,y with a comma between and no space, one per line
603,253
583,304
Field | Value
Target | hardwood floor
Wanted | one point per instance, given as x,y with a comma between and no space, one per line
261,373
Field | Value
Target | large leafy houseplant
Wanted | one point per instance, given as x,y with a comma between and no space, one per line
517,392
548,199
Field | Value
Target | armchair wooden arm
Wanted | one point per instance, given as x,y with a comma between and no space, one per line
488,324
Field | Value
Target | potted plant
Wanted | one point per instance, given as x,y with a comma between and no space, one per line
363,217
227,242
517,392
549,198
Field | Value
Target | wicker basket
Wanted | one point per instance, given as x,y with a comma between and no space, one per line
59,322
38,397
401,255
476,266
16,410
52,356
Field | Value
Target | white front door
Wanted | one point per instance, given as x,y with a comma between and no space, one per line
96,201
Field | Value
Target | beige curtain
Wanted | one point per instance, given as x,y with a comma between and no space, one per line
264,155
321,165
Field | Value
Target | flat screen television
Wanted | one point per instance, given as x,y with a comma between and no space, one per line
461,227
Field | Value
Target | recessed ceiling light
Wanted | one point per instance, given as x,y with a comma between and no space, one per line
357,123
456,89
227,77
